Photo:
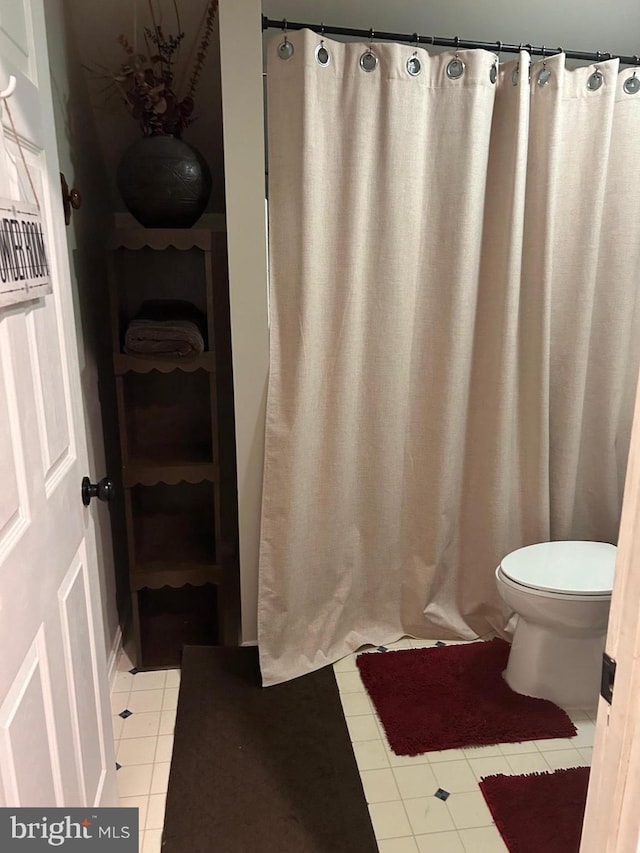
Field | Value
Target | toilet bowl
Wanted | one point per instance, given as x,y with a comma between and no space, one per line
561,593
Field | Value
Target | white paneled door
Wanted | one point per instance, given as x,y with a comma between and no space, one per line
55,725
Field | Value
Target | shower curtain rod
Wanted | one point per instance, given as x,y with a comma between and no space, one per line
425,41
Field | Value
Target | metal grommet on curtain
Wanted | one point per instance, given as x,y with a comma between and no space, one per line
455,68
323,57
595,81
368,60
632,85
414,66
285,48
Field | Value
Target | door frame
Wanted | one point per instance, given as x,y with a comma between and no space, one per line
611,819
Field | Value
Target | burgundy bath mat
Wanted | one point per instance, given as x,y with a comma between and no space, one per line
542,811
454,696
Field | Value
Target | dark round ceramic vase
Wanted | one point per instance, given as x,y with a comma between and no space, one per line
164,182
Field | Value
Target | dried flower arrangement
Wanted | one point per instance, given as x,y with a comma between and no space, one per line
146,81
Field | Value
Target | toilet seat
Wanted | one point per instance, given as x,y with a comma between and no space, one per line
580,569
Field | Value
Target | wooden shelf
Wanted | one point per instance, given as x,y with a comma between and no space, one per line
161,238
123,363
168,619
158,575
146,472
183,576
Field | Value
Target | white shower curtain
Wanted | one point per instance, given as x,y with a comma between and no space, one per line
455,335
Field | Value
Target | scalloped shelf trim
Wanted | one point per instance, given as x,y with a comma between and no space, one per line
158,239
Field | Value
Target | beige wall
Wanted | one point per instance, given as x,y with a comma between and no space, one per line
573,24
81,162
244,177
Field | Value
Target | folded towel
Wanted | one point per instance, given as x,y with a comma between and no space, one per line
163,339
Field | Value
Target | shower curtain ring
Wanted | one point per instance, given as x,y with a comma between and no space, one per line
456,41
285,48
544,58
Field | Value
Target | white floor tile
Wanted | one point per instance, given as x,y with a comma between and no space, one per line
404,760
379,786
404,643
483,840
440,842
170,701
482,751
587,755
141,725
527,747
532,763
164,750
564,758
469,810
488,766
149,680
428,814
122,683
355,704
553,743
116,723
577,715
134,781
167,722
415,781
136,750
422,644
155,811
389,820
349,682
370,754
173,678
346,664
152,841
398,845
363,728
585,736
140,701
140,803
118,702
445,755
454,776
160,779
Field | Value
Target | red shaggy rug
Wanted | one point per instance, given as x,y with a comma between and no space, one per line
454,696
541,812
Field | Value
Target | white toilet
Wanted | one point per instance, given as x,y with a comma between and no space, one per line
561,592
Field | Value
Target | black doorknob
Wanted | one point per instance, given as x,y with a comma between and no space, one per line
103,490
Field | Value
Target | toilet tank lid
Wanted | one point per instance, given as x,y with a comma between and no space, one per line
581,568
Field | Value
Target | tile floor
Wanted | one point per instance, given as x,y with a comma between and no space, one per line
144,742
406,815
